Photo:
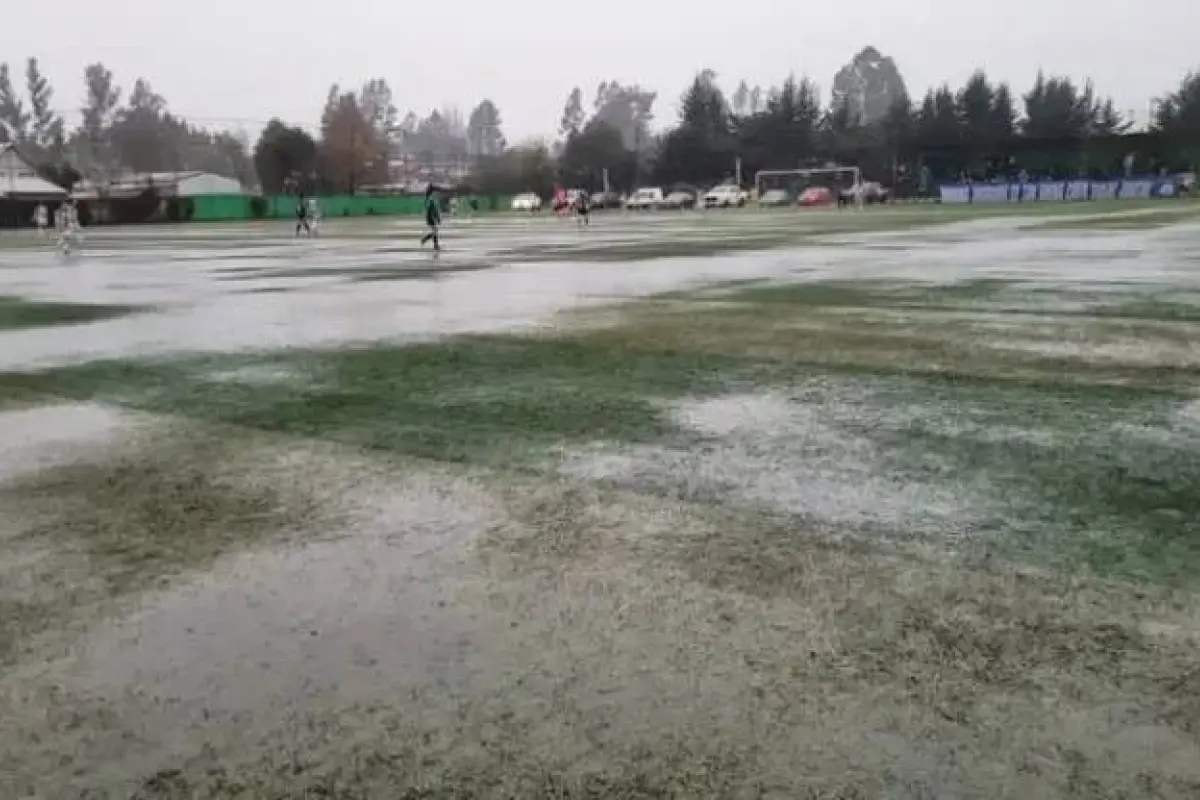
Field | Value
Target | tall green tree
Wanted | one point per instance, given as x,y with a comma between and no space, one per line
91,144
485,133
701,147
142,133
974,105
528,167
784,133
14,119
1178,114
988,119
1108,121
740,101
629,109
1055,108
285,155
1003,113
899,129
599,147
46,127
573,115
103,98
938,122
349,143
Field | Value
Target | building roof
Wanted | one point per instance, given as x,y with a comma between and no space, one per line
140,180
18,177
131,184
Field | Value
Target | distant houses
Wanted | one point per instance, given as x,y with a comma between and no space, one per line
164,184
19,180
22,189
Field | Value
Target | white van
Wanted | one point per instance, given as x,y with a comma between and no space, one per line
645,199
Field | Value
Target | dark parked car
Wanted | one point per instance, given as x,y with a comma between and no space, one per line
682,200
605,200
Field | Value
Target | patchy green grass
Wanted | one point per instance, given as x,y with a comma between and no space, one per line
16,313
828,670
641,251
19,620
153,507
124,517
673,638
1079,456
476,398
1158,217
360,273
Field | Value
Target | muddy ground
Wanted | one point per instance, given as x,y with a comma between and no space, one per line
830,506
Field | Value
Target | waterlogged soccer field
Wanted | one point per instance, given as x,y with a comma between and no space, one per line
897,503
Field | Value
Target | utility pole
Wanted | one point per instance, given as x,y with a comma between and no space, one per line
737,171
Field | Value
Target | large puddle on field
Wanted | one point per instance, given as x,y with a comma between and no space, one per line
263,639
250,293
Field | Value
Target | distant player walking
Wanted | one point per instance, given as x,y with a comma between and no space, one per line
433,218
314,217
41,218
302,216
581,209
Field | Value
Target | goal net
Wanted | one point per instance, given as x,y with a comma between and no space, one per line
814,186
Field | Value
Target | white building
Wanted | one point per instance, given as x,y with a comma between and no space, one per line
20,181
166,184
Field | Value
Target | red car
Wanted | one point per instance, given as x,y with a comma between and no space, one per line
816,196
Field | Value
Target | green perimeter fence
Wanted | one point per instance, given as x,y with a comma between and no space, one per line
227,207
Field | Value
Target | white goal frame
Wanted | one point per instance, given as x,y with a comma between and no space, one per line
855,172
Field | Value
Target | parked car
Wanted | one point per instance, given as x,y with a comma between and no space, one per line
817,196
645,199
527,202
680,199
775,197
871,191
726,196
605,200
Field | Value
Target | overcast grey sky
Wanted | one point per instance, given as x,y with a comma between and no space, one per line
220,61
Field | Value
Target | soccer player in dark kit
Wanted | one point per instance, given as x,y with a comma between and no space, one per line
302,216
581,209
433,218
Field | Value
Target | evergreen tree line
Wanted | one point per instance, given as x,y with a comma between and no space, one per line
982,129
121,134
113,137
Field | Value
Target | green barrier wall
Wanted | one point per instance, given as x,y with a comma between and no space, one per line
217,208
221,207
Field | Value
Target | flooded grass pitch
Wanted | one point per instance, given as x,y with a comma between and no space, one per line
837,507
16,313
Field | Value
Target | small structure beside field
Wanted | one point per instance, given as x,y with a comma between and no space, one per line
165,184
22,189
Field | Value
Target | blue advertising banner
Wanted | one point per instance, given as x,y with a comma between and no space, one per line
1056,191
1051,191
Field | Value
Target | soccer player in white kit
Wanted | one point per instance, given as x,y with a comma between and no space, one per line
41,218
66,223
314,216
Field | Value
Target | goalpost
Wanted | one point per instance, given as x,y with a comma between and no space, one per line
796,181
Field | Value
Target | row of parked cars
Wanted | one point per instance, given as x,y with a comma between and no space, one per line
727,195
868,192
650,198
